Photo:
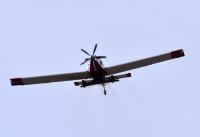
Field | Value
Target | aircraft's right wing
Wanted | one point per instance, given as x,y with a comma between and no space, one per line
144,62
50,78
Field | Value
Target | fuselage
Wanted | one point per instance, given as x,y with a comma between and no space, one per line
97,70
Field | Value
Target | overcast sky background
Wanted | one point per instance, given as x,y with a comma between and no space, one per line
41,37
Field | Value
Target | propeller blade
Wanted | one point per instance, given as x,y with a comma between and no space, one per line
86,60
95,48
83,62
100,57
85,52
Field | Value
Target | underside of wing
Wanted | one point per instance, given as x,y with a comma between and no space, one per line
144,62
50,78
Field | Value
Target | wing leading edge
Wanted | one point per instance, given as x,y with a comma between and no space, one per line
49,78
110,70
145,62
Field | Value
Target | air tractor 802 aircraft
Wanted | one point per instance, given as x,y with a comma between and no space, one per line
97,73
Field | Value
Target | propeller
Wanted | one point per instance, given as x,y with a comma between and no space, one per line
92,56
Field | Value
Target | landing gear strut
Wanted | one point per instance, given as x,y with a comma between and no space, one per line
105,93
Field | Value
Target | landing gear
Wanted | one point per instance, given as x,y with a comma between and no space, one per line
105,93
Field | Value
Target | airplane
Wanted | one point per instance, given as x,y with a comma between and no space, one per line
97,73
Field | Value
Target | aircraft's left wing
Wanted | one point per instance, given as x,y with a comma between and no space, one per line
144,62
49,78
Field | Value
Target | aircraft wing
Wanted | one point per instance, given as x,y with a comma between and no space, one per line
144,62
49,78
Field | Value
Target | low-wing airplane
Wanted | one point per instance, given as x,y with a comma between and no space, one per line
98,74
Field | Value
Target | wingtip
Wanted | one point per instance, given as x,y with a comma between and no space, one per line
178,53
16,81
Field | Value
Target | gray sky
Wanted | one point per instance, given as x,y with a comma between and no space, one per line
42,37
